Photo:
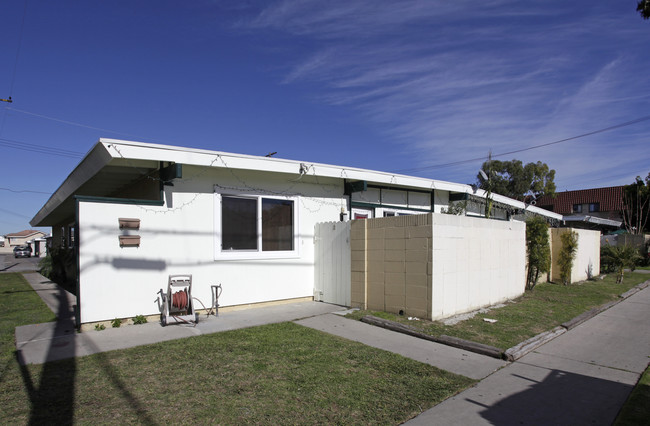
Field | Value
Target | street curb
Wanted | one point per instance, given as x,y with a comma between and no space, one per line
516,352
573,323
456,342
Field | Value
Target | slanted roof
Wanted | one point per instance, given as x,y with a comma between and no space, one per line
113,164
24,234
610,199
593,220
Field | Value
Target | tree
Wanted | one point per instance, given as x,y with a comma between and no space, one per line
538,250
643,7
620,257
636,206
514,180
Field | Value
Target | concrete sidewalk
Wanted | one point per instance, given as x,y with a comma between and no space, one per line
39,343
581,377
445,357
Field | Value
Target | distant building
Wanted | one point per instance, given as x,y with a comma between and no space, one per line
597,208
22,237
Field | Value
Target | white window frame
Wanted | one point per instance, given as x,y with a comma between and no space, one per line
361,210
220,254
396,212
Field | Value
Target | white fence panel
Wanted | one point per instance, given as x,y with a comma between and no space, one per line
332,263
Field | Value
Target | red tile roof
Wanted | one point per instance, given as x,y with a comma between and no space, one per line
610,199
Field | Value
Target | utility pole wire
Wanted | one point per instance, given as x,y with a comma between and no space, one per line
455,163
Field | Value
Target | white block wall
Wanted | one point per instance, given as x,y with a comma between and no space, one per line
476,262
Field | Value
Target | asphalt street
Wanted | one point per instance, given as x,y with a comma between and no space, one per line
10,264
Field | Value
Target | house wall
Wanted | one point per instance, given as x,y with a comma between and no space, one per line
588,253
180,238
436,265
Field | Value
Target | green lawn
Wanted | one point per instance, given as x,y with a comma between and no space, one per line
276,374
636,410
539,310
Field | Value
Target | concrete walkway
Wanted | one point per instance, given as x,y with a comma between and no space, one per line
581,377
445,357
39,343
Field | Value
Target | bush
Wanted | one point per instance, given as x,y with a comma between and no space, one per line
617,258
567,255
60,266
139,319
538,250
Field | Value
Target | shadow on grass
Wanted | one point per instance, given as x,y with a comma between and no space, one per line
52,400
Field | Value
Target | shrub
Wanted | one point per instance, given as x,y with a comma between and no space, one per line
116,323
538,250
567,255
620,257
139,319
100,327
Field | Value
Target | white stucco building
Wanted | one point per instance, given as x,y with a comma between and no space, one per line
242,221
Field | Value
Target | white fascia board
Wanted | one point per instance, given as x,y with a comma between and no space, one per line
94,161
200,157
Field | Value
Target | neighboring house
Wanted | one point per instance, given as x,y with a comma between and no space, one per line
135,213
597,208
23,237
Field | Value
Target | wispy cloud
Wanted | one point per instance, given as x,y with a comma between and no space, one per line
450,80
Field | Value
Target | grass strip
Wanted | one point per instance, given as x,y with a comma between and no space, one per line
537,311
276,374
636,410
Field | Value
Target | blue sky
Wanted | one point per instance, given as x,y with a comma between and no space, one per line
404,86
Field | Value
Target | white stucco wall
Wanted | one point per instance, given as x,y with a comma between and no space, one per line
476,262
179,238
588,254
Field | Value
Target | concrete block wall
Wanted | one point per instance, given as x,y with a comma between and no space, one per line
436,265
358,254
477,262
391,264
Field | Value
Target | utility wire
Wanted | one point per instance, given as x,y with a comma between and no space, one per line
455,163
72,123
18,191
39,148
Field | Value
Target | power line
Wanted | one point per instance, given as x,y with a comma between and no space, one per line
455,163
72,123
19,191
24,146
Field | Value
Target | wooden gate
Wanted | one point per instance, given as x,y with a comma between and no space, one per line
332,263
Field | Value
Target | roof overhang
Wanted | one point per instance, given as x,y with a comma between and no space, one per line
594,220
112,163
